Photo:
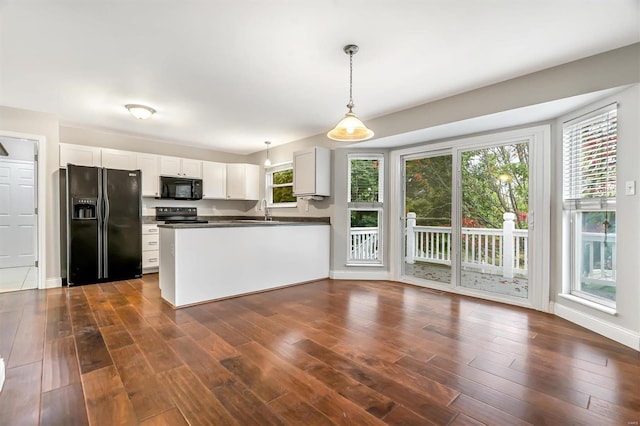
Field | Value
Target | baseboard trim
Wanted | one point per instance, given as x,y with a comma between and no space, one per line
360,275
612,331
53,283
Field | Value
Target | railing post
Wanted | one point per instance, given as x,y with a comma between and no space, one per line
508,226
411,237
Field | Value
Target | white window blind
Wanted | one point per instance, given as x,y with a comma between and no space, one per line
589,161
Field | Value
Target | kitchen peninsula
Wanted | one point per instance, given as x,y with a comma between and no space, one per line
216,260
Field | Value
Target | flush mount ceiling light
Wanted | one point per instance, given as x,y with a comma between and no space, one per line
267,162
141,112
350,128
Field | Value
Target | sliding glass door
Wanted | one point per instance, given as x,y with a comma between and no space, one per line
493,212
428,204
467,220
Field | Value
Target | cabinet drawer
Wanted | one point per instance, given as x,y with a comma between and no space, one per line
150,242
149,229
150,259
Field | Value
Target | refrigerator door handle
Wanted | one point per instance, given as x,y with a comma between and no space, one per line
100,216
105,233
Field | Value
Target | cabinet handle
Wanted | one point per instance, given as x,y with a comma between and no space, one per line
153,259
153,243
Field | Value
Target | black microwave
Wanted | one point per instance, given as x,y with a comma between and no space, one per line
176,188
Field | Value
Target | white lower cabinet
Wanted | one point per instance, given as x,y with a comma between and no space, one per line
150,248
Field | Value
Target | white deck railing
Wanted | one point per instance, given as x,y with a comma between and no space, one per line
364,244
500,251
598,268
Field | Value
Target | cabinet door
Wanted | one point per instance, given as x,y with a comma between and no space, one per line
304,172
214,180
116,159
148,164
235,181
79,155
252,182
169,166
191,168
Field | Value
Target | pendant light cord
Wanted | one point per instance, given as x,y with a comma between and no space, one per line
350,104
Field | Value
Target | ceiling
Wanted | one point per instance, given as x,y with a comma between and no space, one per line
230,74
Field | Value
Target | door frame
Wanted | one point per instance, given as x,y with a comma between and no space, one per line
540,215
41,201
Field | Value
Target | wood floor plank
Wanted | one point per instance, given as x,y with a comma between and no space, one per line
116,336
92,351
211,373
171,417
64,406
419,403
147,397
60,366
29,347
294,410
327,352
196,403
244,406
20,396
106,399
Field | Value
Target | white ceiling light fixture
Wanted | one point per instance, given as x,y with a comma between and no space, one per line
350,128
267,162
141,112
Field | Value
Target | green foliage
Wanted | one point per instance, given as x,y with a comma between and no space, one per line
364,181
428,190
364,219
283,194
494,181
284,176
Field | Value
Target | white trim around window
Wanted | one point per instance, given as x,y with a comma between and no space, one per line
270,186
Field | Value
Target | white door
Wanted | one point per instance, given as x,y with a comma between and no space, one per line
17,215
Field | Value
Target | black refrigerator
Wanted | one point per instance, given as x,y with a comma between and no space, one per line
101,224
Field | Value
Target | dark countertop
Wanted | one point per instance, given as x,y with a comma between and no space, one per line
243,223
226,220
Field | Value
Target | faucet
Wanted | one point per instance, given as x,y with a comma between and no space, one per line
263,206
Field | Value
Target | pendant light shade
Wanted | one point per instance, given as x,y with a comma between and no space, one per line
141,112
267,162
350,128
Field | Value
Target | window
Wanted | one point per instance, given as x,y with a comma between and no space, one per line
365,196
589,203
279,186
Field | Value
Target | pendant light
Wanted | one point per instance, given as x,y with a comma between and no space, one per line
350,128
267,162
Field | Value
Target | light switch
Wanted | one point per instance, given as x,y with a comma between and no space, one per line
630,187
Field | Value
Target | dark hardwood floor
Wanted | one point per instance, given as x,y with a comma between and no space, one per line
328,352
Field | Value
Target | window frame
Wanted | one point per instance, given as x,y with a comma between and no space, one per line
269,186
574,205
366,206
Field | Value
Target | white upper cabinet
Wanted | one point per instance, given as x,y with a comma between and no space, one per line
181,167
312,172
79,155
243,181
214,180
117,159
148,164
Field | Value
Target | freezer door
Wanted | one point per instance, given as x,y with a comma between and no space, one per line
122,228
83,229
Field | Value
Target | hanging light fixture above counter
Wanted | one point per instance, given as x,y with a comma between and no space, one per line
350,128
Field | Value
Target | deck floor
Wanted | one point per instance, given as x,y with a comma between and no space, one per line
328,352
